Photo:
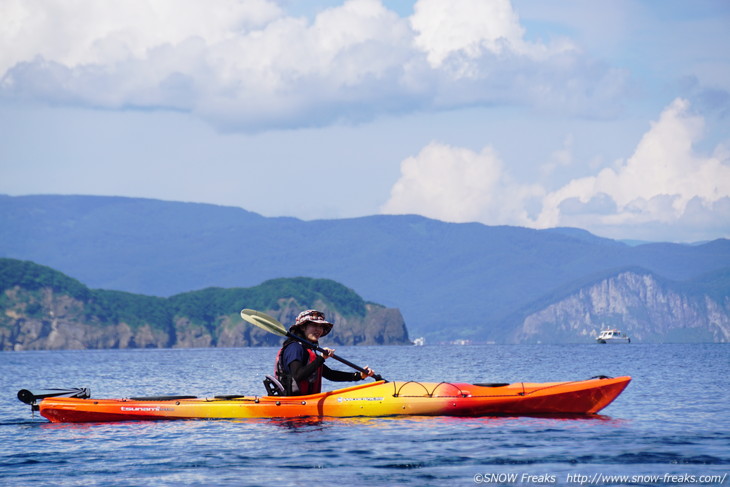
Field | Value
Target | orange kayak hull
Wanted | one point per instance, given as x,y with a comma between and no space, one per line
372,400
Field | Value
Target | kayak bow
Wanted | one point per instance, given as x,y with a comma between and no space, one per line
372,399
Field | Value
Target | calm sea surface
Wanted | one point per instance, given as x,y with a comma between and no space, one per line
671,426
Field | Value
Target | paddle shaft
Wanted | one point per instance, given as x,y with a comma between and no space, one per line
339,359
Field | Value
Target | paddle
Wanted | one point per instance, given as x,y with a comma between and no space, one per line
266,322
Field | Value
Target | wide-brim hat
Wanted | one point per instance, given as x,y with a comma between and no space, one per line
312,316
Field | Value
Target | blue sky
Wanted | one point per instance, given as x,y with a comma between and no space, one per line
613,116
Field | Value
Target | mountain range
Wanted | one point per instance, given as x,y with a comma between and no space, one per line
451,281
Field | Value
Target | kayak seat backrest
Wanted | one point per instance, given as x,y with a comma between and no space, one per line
273,387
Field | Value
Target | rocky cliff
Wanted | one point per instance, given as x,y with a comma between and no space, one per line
41,309
639,303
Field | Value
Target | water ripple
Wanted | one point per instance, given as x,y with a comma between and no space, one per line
653,428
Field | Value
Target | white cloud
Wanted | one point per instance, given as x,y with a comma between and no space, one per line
103,32
663,190
655,185
463,26
246,64
458,185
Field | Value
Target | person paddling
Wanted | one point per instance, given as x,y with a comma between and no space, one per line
299,368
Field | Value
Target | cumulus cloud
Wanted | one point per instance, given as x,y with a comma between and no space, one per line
248,65
658,183
103,32
458,185
465,27
664,189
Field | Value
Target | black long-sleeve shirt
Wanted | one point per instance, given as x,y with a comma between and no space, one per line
300,372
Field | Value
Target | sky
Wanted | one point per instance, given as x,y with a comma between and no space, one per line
607,115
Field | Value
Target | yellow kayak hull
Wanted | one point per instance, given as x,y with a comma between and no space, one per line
372,399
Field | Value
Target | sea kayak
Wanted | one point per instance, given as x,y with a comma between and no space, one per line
381,398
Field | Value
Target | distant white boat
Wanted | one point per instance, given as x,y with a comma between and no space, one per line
612,336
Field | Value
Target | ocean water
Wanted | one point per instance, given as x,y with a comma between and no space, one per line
671,426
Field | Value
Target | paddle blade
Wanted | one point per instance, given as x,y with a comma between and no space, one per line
263,321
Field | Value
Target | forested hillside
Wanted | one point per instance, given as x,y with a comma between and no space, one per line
44,309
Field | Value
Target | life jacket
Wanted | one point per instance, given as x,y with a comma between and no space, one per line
308,385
